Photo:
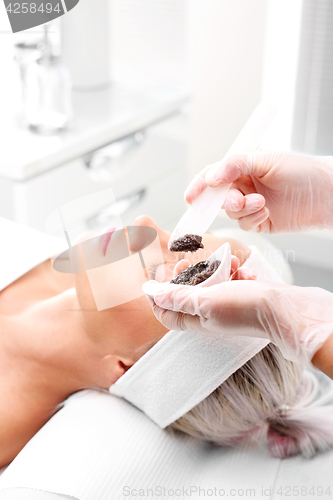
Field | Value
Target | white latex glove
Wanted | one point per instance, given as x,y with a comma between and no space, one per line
273,192
298,320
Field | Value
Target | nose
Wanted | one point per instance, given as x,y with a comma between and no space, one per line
145,220
141,237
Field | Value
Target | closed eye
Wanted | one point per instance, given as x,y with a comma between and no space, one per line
151,271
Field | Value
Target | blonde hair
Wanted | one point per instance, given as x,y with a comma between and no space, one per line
266,399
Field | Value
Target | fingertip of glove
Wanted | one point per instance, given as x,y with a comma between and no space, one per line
152,288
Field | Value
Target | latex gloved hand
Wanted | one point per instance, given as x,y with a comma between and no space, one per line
298,320
273,192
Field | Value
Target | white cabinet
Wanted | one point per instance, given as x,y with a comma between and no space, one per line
146,177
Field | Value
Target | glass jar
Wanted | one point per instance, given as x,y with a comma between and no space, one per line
48,98
47,91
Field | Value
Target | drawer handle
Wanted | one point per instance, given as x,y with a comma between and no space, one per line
120,207
99,162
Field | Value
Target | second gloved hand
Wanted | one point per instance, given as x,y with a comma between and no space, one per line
273,191
298,320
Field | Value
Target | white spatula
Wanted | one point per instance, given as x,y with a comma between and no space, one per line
200,215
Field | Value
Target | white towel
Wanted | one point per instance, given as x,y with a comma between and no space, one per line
99,444
23,248
99,447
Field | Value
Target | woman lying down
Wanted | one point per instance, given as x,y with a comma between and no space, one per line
54,342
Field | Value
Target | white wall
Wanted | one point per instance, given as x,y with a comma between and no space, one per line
6,63
280,67
149,41
227,55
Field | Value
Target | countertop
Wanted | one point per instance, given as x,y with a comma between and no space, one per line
100,117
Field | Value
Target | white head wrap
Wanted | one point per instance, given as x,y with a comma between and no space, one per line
183,368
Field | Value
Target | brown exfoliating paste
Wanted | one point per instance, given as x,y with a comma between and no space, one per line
197,273
187,243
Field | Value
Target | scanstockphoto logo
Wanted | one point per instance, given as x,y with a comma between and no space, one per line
24,15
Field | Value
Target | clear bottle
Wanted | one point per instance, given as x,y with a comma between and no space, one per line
48,92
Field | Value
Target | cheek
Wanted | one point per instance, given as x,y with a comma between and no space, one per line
143,329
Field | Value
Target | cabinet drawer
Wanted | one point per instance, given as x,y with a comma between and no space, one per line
151,164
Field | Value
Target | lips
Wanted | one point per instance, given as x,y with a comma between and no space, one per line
105,239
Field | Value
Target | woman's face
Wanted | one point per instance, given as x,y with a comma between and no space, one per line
130,328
